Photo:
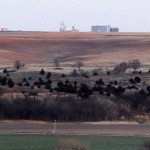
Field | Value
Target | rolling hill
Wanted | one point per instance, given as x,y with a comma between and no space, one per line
95,49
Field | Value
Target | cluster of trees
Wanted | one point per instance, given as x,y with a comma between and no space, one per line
122,67
82,107
82,90
60,109
70,108
6,81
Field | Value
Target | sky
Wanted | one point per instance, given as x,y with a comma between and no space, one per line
46,15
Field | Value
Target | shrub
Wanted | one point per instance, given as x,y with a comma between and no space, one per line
41,81
74,73
115,82
100,82
11,83
63,75
39,86
49,82
146,145
142,92
20,84
29,78
108,73
108,94
5,71
148,89
42,72
121,68
4,81
27,84
48,75
95,74
132,81
137,79
24,80
72,144
84,91
86,76
97,71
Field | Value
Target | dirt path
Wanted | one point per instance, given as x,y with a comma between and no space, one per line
120,129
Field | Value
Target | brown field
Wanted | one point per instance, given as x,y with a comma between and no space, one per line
94,49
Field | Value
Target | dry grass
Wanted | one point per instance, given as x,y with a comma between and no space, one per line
103,49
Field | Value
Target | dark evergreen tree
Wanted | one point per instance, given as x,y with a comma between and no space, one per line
42,72
48,76
11,83
4,81
5,71
137,79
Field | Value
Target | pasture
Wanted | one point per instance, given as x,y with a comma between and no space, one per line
45,142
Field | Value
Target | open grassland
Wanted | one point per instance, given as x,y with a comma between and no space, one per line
38,142
95,49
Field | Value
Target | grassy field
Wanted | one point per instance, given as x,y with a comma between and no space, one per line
38,142
94,49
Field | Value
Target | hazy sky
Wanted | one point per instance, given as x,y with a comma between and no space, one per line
46,15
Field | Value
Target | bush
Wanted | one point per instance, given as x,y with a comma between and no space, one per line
24,80
108,73
29,78
95,74
42,72
5,71
121,68
97,71
63,75
146,145
137,79
72,144
27,84
20,84
132,81
100,82
115,82
84,91
48,75
11,83
4,81
74,73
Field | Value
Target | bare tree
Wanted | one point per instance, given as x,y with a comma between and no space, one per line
121,68
18,64
79,64
135,64
56,62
